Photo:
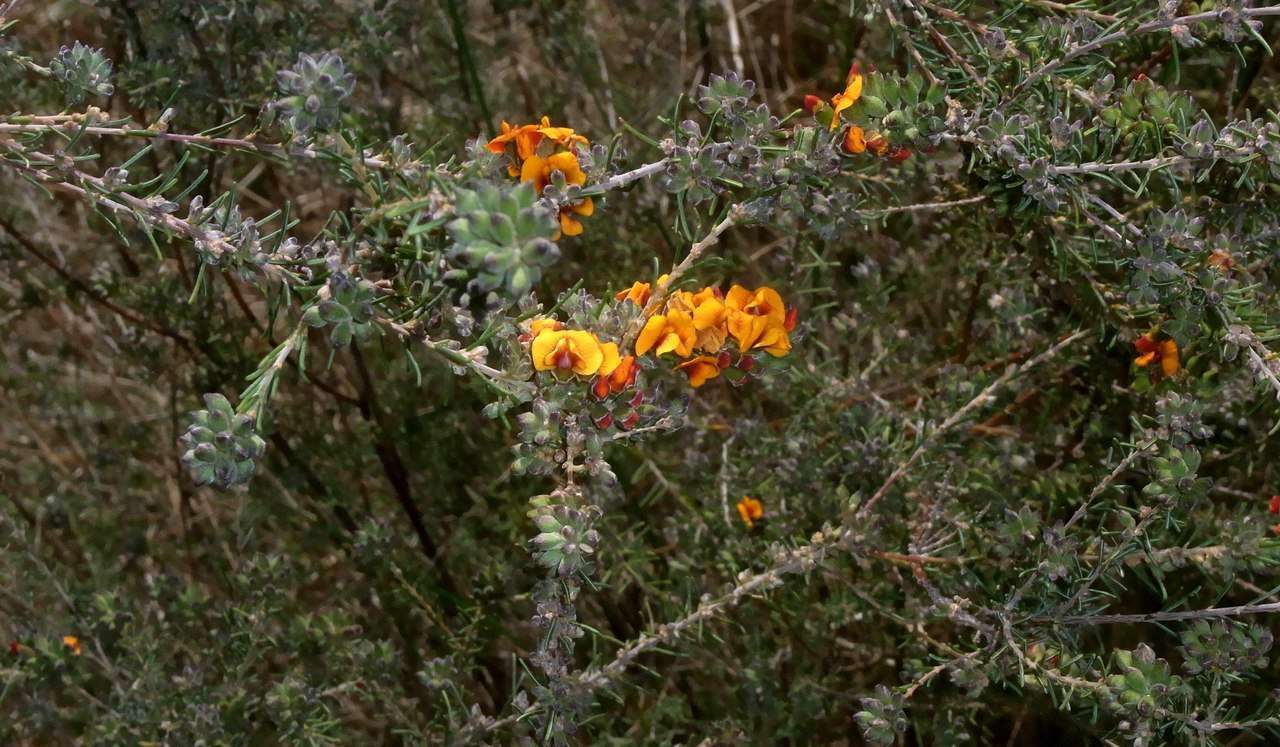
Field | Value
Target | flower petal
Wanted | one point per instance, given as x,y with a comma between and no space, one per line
651,333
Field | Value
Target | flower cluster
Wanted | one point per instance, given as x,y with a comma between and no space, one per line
541,154
856,140
696,325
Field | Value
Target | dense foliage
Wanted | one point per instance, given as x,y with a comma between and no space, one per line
428,371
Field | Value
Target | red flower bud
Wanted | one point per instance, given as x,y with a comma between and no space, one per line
746,363
630,421
724,360
1275,504
15,648
899,154
605,421
600,389
812,102
793,315
637,400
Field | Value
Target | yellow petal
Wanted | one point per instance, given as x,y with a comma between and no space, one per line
586,208
775,341
587,348
536,326
770,298
738,297
569,225
542,347
611,358
567,163
651,333
708,314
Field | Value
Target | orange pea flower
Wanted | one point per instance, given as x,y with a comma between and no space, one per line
672,332
701,369
758,319
846,98
708,311
751,511
639,293
1164,352
72,643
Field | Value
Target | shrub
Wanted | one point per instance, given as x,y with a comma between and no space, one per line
399,372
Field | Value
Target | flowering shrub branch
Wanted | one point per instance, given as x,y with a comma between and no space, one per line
409,339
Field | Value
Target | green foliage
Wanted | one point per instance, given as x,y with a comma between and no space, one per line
221,445
84,72
1011,483
504,239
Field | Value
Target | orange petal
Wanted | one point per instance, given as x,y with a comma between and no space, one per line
1169,360
534,170
650,334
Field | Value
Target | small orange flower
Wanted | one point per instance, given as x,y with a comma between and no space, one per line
1221,259
758,319
540,151
701,369
845,99
72,643
1164,352
525,138
639,293
751,511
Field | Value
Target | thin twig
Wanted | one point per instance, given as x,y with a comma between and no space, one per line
696,251
1154,617
1157,25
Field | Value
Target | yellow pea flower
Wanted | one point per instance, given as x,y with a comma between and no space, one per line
564,350
672,332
